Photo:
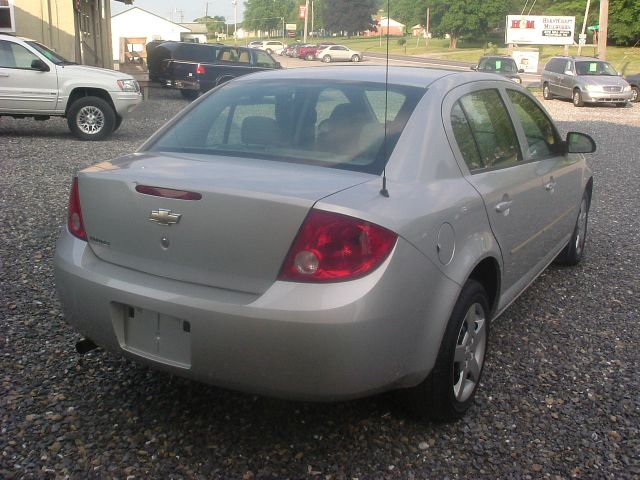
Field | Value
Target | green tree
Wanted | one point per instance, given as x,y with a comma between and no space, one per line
351,16
409,12
215,24
467,18
267,14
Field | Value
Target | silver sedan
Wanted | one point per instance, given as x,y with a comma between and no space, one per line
324,234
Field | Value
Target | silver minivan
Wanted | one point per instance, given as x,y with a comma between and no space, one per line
584,80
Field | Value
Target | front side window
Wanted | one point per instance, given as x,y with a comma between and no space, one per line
13,55
483,117
541,136
264,60
327,123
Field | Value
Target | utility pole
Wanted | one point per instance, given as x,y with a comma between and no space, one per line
306,19
584,26
604,29
235,21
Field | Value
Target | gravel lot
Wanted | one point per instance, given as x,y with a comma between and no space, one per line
560,395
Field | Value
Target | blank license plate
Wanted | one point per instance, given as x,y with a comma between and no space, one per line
156,336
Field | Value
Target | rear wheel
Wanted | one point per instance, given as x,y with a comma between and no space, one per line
448,392
574,251
355,58
309,57
91,118
546,93
326,59
577,98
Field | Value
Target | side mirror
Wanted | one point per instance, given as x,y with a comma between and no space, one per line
580,143
521,70
39,65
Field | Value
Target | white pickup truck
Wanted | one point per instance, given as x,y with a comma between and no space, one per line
37,82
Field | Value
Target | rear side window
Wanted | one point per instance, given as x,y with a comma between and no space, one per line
264,60
196,53
481,119
555,65
333,123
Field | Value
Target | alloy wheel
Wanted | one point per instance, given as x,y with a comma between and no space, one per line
90,120
469,353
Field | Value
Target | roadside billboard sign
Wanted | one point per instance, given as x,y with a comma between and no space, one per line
291,26
540,30
527,60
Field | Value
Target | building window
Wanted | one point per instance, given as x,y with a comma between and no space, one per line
7,18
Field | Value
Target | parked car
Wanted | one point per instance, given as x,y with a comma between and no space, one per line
500,64
196,68
634,81
330,262
306,51
255,44
37,82
584,80
338,53
272,46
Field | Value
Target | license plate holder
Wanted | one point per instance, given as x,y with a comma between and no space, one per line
156,336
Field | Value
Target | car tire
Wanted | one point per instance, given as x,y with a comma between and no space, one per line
635,94
355,58
309,57
190,94
326,59
448,391
574,250
117,123
577,98
546,93
91,118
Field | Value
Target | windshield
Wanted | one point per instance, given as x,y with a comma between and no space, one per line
500,65
595,68
332,123
50,54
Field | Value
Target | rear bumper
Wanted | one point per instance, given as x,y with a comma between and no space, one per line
301,341
183,84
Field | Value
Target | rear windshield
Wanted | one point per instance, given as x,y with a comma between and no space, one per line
501,65
336,124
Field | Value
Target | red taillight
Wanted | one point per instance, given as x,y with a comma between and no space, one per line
200,70
75,222
332,248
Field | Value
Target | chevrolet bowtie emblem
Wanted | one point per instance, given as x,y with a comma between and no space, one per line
164,217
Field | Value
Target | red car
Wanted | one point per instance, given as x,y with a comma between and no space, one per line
308,52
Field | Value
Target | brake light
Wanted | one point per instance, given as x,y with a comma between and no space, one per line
333,248
200,70
75,223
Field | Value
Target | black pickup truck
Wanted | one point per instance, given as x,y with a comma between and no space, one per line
196,68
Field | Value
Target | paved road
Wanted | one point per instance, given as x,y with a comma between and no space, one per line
559,397
528,79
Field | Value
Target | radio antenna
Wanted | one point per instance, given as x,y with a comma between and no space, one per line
383,191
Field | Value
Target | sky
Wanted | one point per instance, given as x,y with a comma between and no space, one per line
180,11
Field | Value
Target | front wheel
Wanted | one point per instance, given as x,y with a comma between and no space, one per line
355,58
635,94
448,392
91,118
577,98
546,93
574,251
309,57
326,59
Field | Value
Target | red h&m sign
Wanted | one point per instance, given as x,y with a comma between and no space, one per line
523,24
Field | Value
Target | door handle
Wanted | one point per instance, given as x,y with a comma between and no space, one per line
503,207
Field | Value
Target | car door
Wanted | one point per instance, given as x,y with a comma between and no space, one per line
490,155
561,175
23,88
567,79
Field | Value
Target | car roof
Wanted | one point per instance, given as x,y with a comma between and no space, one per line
410,76
581,58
